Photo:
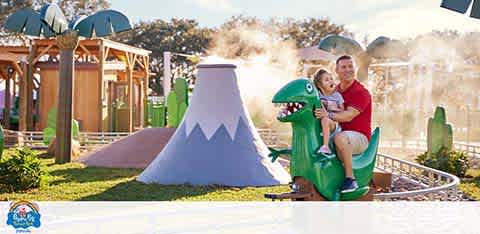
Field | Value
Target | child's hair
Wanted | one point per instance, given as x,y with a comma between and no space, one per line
317,78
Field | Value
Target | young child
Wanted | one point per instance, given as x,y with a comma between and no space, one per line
332,101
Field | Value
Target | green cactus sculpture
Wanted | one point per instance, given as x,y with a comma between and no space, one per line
181,89
172,110
50,131
439,133
177,102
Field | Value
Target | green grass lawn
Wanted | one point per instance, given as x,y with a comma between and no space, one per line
76,182
471,184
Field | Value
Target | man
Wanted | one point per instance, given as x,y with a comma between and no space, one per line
355,120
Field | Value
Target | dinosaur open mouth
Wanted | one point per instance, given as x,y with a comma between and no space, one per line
288,108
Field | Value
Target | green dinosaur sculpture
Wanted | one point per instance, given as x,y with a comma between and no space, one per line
326,172
439,133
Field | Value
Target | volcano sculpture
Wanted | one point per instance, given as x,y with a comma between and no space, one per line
216,142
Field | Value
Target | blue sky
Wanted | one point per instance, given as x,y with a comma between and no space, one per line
393,18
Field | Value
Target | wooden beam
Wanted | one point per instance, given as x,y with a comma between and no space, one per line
3,73
124,47
107,50
17,68
88,52
43,52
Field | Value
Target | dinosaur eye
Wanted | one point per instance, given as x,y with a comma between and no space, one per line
309,87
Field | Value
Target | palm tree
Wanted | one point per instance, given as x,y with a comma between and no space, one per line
51,22
380,48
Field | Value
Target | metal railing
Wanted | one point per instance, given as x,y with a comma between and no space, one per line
87,140
472,150
432,182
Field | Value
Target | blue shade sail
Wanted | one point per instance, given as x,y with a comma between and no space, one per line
103,23
29,22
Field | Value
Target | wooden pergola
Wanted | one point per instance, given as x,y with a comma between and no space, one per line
12,68
131,62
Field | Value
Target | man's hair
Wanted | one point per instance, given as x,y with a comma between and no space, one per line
344,57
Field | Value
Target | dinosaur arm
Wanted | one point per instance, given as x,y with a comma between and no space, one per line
345,116
274,154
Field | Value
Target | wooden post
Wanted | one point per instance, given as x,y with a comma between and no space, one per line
8,101
130,64
101,73
22,121
145,88
67,43
29,86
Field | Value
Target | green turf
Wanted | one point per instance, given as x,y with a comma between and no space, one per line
76,182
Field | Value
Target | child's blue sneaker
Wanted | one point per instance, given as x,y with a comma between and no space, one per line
349,185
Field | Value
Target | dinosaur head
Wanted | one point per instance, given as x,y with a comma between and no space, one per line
298,99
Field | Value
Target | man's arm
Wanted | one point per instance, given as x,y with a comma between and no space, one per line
343,116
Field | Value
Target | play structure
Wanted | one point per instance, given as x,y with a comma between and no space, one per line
103,76
216,142
12,71
102,79
317,176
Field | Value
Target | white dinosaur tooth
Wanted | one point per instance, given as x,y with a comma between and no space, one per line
295,109
289,113
283,115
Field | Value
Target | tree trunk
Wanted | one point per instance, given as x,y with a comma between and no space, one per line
67,44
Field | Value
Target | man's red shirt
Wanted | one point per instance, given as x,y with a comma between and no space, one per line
358,97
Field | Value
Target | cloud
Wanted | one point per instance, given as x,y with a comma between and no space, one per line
216,5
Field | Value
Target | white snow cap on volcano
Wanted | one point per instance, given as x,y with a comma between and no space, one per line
215,101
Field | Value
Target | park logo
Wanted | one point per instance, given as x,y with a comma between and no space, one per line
23,215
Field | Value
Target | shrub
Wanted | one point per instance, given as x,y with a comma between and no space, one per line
21,171
453,162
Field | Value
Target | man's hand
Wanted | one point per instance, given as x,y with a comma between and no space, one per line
320,113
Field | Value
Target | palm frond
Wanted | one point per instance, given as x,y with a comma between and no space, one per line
103,23
29,22
54,17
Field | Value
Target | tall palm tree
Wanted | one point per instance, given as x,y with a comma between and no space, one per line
382,47
50,22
